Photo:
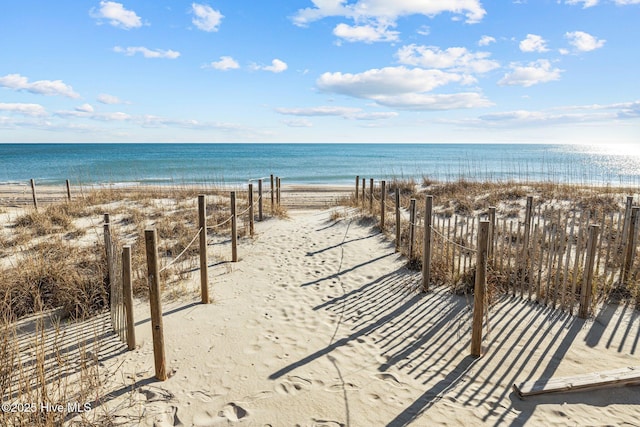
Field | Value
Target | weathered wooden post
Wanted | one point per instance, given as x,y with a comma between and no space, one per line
33,193
528,216
492,227
234,229
364,183
278,183
412,226
204,273
631,244
272,196
127,293
108,248
426,251
480,288
397,195
251,209
357,189
371,195
627,219
589,264
383,195
68,190
153,281
260,200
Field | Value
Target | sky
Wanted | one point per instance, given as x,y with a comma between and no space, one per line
526,71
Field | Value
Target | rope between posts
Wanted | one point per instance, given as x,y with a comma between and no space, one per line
451,241
244,211
210,227
182,253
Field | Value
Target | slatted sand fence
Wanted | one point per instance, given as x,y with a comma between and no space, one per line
563,256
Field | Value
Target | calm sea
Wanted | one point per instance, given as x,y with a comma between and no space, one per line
126,164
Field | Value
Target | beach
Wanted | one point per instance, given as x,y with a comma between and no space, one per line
321,323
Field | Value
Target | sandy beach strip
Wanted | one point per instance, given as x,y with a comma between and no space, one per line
320,323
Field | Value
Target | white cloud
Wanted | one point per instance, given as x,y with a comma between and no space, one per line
117,15
585,3
385,81
388,11
147,53
40,87
486,41
403,88
319,111
453,58
277,66
345,112
533,43
563,115
365,33
433,102
534,73
584,42
591,3
225,63
85,108
205,17
23,109
104,98
298,123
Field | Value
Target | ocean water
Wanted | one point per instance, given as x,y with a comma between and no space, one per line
130,164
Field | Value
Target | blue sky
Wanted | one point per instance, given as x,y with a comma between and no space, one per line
555,71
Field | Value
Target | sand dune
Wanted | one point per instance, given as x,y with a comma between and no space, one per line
321,324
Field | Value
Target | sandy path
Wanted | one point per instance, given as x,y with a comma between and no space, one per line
319,324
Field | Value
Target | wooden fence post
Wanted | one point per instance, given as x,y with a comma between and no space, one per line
260,200
364,183
278,183
589,264
426,248
627,219
357,188
631,244
480,288
492,227
127,293
383,196
234,229
272,195
204,273
371,195
251,209
412,226
33,193
397,195
153,280
108,248
68,190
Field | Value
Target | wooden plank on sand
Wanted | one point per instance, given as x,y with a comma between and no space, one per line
618,377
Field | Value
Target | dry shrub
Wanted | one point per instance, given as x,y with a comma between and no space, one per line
55,274
404,186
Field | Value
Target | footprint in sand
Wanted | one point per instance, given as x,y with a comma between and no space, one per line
202,396
326,423
339,387
233,412
391,379
168,418
293,384
155,394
